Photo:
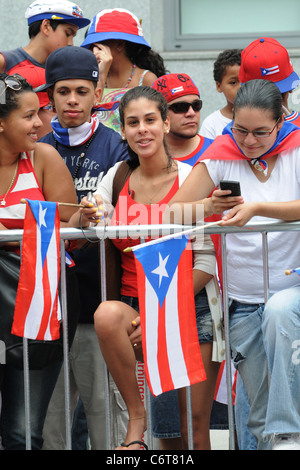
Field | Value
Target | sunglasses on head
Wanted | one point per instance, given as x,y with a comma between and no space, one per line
11,82
183,106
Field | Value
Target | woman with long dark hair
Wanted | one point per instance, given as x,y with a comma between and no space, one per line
125,59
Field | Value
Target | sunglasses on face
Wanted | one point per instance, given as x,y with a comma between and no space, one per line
256,134
9,82
182,107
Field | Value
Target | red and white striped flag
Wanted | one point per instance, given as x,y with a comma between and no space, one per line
170,342
37,310
221,391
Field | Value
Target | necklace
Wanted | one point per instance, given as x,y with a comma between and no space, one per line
129,79
3,201
81,156
156,192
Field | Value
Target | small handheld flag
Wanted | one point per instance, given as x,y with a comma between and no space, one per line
170,342
291,271
37,310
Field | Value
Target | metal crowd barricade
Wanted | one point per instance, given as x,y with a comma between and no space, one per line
142,232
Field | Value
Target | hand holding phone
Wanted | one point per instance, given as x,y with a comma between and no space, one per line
233,186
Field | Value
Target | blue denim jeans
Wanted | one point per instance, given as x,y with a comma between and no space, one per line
250,359
281,332
42,383
263,342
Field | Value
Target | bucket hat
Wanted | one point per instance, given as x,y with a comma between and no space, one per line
116,23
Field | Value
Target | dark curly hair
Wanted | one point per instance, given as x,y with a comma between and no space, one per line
145,58
225,58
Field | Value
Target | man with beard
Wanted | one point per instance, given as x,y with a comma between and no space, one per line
183,98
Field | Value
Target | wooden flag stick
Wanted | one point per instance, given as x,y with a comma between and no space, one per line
23,201
173,235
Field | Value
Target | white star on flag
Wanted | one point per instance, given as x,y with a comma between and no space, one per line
42,213
161,268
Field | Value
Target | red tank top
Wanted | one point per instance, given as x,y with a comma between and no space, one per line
130,212
26,185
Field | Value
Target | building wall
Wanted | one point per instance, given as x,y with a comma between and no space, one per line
198,64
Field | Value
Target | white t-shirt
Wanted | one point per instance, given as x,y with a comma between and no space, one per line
244,251
214,124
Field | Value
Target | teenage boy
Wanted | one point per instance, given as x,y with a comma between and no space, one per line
183,98
51,25
265,58
89,149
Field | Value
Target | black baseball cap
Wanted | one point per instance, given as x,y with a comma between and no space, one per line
70,62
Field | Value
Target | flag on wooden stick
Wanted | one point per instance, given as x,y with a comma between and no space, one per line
37,310
170,342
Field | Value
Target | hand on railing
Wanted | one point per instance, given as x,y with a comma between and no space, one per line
240,215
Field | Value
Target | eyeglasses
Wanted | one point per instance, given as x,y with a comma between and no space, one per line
9,82
257,134
182,107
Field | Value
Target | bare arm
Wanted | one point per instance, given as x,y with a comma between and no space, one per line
192,199
241,214
2,63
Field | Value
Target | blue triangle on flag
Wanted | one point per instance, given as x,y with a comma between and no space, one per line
159,262
263,71
44,214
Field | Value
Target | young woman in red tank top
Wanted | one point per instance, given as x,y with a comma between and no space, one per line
154,178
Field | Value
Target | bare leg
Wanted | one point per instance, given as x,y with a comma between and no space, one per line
202,401
113,327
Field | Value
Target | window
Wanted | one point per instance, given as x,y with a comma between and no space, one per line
216,24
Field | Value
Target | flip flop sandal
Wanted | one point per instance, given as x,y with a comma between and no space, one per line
135,442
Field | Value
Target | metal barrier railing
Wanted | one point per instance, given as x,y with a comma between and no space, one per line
141,232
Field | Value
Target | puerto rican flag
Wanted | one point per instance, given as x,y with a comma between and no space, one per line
269,70
221,392
37,310
170,342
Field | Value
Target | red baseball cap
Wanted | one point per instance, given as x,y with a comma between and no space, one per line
174,85
35,76
267,59
115,23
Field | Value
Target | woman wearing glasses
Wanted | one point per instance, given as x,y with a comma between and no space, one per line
35,171
261,151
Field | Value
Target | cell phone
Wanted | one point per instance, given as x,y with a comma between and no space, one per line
91,198
234,186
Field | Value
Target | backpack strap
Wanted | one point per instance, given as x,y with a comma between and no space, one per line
121,176
112,254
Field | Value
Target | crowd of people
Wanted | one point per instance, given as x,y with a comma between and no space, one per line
107,118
